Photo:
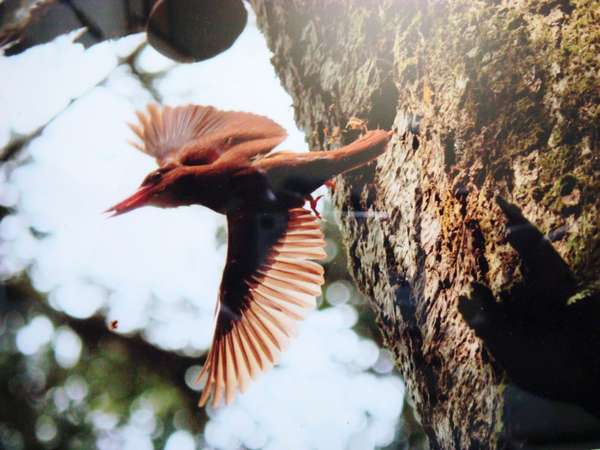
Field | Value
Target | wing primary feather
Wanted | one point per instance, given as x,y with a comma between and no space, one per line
219,375
283,324
137,130
205,394
231,370
286,308
208,369
317,256
251,352
255,345
264,320
289,281
306,252
296,272
306,302
289,285
240,359
301,264
306,238
261,346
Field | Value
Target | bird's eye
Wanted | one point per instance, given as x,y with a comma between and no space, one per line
156,176
152,177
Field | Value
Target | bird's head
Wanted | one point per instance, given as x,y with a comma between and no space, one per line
163,187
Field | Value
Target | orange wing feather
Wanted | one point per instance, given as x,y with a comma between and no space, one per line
251,333
196,134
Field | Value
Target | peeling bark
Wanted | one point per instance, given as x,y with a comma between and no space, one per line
480,300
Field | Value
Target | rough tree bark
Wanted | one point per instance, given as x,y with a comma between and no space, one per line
491,100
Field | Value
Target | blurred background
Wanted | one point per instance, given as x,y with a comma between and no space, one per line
104,324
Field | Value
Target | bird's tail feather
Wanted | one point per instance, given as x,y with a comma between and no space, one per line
360,152
305,172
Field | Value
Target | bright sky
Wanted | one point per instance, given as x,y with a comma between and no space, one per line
163,266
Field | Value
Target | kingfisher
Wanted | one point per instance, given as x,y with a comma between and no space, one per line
223,160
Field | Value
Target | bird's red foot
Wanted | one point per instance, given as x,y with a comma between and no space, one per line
330,185
313,204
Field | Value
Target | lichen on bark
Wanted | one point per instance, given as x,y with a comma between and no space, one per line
486,98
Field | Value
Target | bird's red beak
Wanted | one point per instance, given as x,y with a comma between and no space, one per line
139,198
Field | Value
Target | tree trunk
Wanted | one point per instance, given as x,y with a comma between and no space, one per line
490,101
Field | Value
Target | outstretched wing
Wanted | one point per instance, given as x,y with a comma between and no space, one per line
269,283
195,134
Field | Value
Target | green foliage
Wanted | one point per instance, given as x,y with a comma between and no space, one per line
47,406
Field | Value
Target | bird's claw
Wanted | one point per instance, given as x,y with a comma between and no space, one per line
313,204
330,184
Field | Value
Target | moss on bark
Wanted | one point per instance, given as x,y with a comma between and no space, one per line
486,98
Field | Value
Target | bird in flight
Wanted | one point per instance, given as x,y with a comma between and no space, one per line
223,160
